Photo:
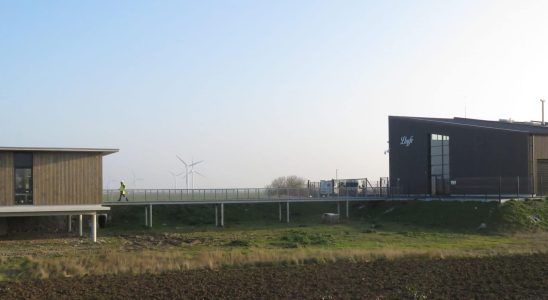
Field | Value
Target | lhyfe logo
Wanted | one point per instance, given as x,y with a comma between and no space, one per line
406,141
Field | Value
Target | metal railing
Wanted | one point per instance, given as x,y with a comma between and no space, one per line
254,194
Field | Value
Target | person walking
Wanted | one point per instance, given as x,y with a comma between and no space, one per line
123,191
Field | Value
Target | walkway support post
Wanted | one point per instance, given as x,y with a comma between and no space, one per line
69,223
222,215
347,210
80,225
216,215
150,216
94,228
279,211
146,216
287,211
338,208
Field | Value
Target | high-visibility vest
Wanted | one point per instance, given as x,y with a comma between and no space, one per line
122,189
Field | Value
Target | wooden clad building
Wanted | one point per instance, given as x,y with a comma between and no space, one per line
51,181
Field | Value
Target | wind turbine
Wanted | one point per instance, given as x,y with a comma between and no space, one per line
134,179
175,177
191,172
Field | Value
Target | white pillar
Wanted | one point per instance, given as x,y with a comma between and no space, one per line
287,211
69,223
94,228
150,216
80,232
347,210
216,215
146,216
222,215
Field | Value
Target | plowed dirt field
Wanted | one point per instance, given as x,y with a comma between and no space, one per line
504,277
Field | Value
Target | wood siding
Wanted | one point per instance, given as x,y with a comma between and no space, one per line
67,178
540,152
6,179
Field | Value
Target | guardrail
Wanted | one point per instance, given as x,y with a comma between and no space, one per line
192,195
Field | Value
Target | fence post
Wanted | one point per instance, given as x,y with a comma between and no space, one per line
500,189
518,189
541,192
380,187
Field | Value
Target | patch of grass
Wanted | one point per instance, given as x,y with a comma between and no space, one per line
300,238
238,243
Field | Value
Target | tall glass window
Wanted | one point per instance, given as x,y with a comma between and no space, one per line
22,163
439,163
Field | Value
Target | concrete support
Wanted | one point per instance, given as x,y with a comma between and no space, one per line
338,208
80,221
222,215
279,211
150,216
347,210
69,224
287,211
94,228
216,215
146,216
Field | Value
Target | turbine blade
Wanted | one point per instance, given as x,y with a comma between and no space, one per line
195,163
186,165
199,173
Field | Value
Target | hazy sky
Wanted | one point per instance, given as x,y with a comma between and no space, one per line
259,89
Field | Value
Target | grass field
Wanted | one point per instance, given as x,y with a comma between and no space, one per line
184,238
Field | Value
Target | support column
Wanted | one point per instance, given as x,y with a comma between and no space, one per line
287,211
146,216
280,211
338,208
69,223
216,215
222,215
94,228
80,221
150,216
347,210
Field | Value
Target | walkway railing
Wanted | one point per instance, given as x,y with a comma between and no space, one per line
254,194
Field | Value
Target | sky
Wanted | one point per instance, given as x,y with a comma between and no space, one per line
259,89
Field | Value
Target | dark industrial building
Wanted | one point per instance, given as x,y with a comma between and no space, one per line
435,156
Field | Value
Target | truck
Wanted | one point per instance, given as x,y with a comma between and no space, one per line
342,187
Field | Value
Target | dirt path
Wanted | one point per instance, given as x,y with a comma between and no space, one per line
515,277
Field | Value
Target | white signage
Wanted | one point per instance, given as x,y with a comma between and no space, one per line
406,141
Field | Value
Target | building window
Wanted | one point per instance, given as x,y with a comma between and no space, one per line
22,163
439,163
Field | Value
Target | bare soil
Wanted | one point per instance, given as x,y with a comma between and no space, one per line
503,277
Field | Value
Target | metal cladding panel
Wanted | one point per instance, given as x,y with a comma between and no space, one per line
474,152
